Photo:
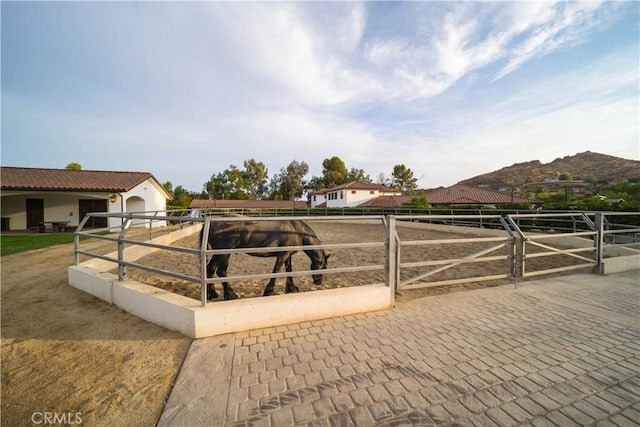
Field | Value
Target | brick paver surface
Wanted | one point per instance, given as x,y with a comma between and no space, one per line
497,356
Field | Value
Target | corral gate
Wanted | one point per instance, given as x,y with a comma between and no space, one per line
527,245
502,239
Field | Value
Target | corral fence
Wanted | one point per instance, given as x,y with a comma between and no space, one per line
515,242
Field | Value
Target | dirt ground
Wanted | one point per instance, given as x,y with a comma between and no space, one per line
66,352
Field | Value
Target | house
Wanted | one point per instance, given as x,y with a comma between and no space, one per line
351,194
465,195
362,195
247,204
33,197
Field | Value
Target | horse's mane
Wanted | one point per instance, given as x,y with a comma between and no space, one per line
309,236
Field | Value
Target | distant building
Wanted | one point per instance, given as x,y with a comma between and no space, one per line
247,204
363,195
33,198
351,194
465,195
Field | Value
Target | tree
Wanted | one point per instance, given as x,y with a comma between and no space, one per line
315,183
236,184
402,178
74,166
382,179
181,197
218,186
255,178
334,172
239,184
358,175
288,184
421,201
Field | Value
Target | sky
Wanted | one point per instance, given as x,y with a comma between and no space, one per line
451,90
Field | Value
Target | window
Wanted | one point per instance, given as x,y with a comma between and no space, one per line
341,195
371,192
353,191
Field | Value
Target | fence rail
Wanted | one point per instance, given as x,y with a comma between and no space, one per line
522,239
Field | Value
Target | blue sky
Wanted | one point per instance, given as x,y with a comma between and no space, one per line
449,89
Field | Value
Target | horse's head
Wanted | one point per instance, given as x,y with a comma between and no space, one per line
318,262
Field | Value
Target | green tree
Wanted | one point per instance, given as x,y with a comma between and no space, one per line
181,197
288,184
403,179
421,201
74,166
358,175
315,183
236,183
217,187
255,179
334,172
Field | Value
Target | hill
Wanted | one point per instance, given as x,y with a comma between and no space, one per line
581,170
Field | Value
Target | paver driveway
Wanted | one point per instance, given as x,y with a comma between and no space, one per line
562,351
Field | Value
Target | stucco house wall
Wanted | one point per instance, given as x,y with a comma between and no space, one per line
351,195
142,192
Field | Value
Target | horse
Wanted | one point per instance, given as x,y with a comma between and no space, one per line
258,234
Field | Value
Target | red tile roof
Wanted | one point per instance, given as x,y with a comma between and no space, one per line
465,195
386,202
355,185
247,204
16,178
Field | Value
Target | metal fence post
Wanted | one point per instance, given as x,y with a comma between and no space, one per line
122,269
518,249
599,241
203,261
392,262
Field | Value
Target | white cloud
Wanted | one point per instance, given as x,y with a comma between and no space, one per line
200,86
557,26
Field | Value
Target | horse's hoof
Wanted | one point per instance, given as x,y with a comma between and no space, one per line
267,293
292,289
230,296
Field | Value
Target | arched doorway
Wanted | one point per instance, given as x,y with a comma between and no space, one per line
135,204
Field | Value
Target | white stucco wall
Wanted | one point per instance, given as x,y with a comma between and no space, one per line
348,198
317,199
64,206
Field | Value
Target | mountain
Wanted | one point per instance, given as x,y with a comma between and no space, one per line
583,169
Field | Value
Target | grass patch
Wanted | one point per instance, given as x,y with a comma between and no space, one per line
15,244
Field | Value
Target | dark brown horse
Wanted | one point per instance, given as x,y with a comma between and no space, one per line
260,234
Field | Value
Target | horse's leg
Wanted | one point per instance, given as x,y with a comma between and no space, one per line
268,290
211,269
291,287
223,263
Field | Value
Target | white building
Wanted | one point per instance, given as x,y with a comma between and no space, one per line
352,194
32,198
